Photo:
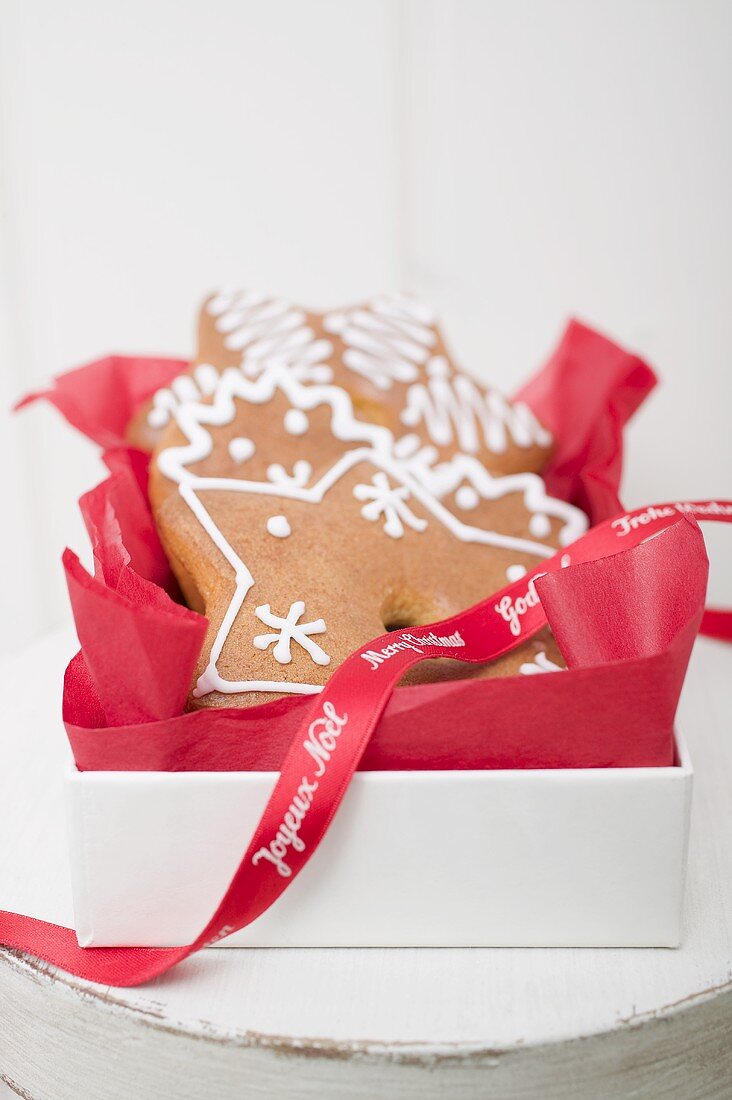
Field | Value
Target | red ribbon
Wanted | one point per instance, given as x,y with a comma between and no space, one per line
327,749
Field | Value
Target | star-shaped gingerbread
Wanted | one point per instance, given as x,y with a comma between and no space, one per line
319,479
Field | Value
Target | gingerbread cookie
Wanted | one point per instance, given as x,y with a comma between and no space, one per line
303,530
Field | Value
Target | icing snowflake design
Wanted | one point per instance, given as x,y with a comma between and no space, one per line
289,629
389,501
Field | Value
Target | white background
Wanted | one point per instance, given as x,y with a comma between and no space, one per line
515,163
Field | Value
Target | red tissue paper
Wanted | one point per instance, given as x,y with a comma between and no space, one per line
625,624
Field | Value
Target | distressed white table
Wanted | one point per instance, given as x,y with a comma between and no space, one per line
506,1023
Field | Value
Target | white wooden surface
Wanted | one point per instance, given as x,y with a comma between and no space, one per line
515,163
502,1023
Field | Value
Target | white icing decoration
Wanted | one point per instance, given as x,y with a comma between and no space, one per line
300,475
539,526
406,446
442,478
466,497
193,418
158,417
418,472
269,330
183,388
163,403
241,448
288,630
190,486
540,664
457,409
390,502
296,422
279,527
266,331
206,376
386,343
401,472
515,572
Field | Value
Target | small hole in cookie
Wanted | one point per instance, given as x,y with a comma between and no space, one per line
404,609
398,624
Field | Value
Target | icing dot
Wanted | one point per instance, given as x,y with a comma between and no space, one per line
279,527
296,422
540,526
515,572
466,497
241,448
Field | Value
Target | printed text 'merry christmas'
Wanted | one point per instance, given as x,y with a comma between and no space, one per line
416,643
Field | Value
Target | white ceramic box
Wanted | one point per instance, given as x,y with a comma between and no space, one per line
590,857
